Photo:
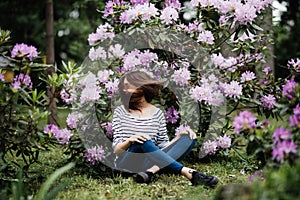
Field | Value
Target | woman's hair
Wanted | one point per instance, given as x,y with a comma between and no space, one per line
146,86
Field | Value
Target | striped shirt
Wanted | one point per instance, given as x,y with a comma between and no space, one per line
125,125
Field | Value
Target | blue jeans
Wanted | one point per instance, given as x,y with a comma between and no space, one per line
140,157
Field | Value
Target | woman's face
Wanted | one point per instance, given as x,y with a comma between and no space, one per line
128,87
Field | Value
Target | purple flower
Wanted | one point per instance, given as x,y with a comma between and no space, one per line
210,147
282,148
72,119
172,115
116,51
294,64
103,75
102,33
232,90
267,70
112,87
169,15
2,77
294,119
94,155
173,3
281,133
181,76
50,128
289,88
63,136
22,79
268,101
245,13
245,120
247,76
224,142
206,37
109,129
147,57
20,50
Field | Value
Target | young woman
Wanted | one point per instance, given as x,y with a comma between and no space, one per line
140,136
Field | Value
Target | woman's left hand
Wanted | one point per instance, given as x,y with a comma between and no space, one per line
190,132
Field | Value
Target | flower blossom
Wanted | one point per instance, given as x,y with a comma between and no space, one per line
20,50
206,37
283,148
210,147
22,79
281,133
116,51
108,128
295,119
103,75
97,54
172,115
224,141
169,15
181,76
247,76
245,120
294,64
141,11
102,33
94,155
289,88
72,119
2,77
268,101
182,128
232,90
62,136
112,87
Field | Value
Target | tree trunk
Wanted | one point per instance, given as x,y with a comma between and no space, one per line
50,59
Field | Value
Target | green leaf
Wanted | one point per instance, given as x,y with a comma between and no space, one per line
46,186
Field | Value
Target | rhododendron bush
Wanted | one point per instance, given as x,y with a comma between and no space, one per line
225,99
22,105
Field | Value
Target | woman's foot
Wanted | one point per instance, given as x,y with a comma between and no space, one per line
199,178
143,177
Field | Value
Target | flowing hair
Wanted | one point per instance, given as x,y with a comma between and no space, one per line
146,86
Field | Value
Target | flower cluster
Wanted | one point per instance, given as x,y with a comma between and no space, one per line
94,154
20,50
102,33
181,129
209,91
295,118
294,64
172,115
210,147
268,101
72,119
245,120
182,76
283,144
61,135
22,79
288,89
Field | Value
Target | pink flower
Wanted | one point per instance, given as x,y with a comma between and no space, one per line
282,148
294,64
116,51
224,142
72,119
281,133
182,128
172,115
206,37
20,50
182,76
97,54
94,155
147,57
103,75
232,90
247,76
268,101
102,33
289,88
112,87
169,15
245,13
210,147
245,120
173,3
22,79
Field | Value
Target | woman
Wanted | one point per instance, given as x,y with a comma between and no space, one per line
140,135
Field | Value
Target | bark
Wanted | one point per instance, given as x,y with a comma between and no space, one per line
50,59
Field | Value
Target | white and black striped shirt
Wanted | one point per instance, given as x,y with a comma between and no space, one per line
125,125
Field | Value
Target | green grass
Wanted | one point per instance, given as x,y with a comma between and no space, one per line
87,185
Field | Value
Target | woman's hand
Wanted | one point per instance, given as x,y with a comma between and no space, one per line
190,132
139,138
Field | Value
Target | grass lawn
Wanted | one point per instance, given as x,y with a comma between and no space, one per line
87,185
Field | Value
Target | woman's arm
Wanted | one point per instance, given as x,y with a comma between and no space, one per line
139,138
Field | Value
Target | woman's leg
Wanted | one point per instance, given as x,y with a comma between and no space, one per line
180,148
147,154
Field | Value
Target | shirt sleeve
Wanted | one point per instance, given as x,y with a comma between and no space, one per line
116,126
162,138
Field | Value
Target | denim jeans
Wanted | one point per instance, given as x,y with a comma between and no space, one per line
140,157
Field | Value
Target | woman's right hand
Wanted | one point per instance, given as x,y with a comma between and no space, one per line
139,138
